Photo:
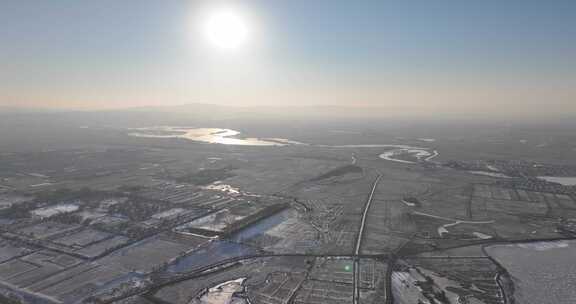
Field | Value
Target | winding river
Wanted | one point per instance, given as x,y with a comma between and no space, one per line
396,153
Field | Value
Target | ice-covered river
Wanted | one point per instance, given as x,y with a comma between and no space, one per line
396,153
208,135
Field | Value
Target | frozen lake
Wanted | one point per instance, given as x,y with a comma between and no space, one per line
211,253
542,272
566,181
208,135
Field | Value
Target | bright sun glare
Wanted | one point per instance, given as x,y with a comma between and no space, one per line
226,29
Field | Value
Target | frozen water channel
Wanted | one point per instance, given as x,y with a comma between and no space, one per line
542,272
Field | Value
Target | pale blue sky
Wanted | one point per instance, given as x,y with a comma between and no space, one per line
110,53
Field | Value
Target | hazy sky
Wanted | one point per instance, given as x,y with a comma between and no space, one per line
492,55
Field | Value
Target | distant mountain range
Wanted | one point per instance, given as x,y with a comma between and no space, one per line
205,111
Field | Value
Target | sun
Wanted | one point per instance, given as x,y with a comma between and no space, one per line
226,29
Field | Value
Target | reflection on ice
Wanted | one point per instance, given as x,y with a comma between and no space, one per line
397,153
208,135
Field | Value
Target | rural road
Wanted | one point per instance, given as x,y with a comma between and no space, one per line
356,280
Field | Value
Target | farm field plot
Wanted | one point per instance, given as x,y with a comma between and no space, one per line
46,230
278,288
333,270
99,248
35,267
82,238
10,250
79,282
145,255
317,292
373,281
